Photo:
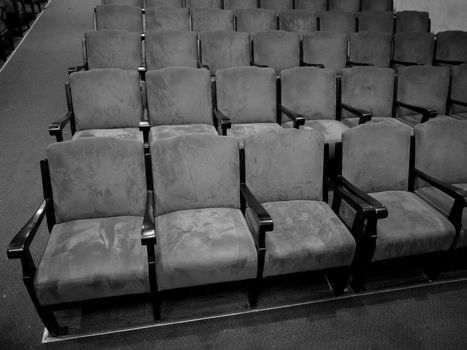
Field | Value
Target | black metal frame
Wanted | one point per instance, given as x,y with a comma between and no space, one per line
426,113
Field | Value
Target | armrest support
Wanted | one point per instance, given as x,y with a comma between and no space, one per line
148,229
145,127
457,102
201,65
307,64
427,113
297,118
363,116
56,128
223,120
75,69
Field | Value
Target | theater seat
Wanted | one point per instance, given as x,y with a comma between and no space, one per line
277,5
167,19
119,17
255,20
337,21
370,49
413,21
413,48
457,103
325,49
451,47
299,21
344,5
376,21
240,4
210,19
316,6
377,5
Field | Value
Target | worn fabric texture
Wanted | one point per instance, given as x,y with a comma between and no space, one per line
299,21
371,47
203,246
307,236
119,17
225,49
331,129
327,48
413,227
277,49
337,21
417,47
424,86
106,98
165,131
256,20
459,88
344,5
171,49
373,21
92,259
368,88
239,4
375,156
124,133
277,4
352,122
269,158
212,19
195,171
179,95
412,21
113,49
163,3
316,6
97,177
247,94
451,45
202,4
377,5
167,19
240,131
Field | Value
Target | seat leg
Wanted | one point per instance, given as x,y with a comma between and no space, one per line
156,307
432,264
338,279
253,291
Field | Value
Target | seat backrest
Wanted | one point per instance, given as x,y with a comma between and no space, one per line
113,49
376,21
416,47
171,49
164,3
337,21
299,21
256,20
441,149
96,177
119,17
224,49
459,87
371,48
138,3
412,21
377,5
167,19
327,48
370,89
285,164
276,49
106,99
247,94
202,4
310,91
451,45
179,95
211,19
195,171
376,156
425,86
276,4
240,4
313,5
344,5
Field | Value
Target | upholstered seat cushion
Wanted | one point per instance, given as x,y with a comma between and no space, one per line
413,227
124,133
203,246
241,131
92,258
413,120
352,122
164,131
307,236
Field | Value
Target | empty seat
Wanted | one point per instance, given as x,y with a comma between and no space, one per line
224,49
276,4
370,48
240,4
344,5
412,21
255,20
451,47
299,21
167,19
377,5
376,21
325,49
137,3
171,49
164,3
209,20
119,17
412,48
316,6
334,21
201,4
457,102
276,49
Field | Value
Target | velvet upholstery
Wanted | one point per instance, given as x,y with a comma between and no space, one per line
240,4
276,49
203,246
371,48
344,5
299,21
138,3
211,19
459,89
119,17
269,158
332,130
355,121
376,21
412,21
106,98
124,133
97,177
307,236
451,45
256,20
241,131
368,88
93,258
165,131
416,47
367,161
224,49
179,95
201,4
377,5
424,86
413,227
195,171
276,4
337,21
113,49
167,19
327,48
163,3
316,6
247,94
171,49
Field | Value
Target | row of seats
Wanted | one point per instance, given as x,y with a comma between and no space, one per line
276,49
255,20
198,210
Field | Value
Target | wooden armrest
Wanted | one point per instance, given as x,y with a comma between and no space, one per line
297,118
56,128
223,120
426,112
363,115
